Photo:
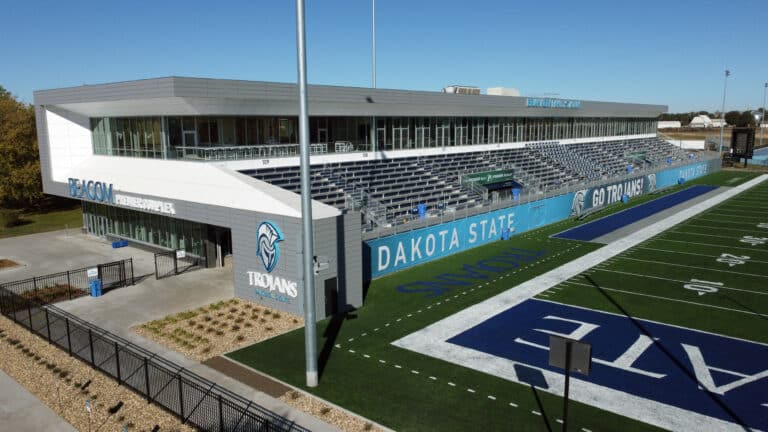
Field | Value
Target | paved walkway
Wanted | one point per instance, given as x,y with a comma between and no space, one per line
21,411
58,251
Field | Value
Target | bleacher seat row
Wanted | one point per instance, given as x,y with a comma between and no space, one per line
435,180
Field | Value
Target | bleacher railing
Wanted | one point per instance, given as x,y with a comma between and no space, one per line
528,194
244,152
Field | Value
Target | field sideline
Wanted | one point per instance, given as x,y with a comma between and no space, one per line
404,390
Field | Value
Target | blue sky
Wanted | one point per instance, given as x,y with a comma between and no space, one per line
665,52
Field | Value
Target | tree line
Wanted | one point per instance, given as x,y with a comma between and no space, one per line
733,118
21,185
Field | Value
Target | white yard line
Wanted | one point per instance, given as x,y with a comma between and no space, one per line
753,207
676,280
694,267
691,253
751,231
712,245
727,207
676,300
432,339
738,216
705,235
721,221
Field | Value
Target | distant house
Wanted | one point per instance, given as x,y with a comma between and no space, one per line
668,124
502,91
703,121
719,122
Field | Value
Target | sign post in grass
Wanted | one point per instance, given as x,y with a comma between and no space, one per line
570,355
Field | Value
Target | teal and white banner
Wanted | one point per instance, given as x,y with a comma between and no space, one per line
401,251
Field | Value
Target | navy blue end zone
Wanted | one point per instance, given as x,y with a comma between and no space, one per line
713,375
602,226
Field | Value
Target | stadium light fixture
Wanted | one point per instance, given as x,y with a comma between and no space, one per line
722,111
310,324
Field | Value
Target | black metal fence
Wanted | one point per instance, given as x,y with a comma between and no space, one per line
172,263
193,399
72,284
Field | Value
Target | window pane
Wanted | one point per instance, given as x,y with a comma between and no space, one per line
174,132
228,131
203,131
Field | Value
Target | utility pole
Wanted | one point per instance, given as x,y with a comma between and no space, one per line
722,112
373,71
310,324
762,115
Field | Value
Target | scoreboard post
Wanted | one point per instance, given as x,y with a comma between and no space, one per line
742,143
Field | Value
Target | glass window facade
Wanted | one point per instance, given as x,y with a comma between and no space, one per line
222,137
134,136
145,227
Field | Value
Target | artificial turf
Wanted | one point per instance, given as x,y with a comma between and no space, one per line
363,372
675,277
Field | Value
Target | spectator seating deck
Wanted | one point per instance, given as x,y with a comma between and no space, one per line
401,184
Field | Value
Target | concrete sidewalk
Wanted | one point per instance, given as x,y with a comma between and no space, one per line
21,411
57,251
123,308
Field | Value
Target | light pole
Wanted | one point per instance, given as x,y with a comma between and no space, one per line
722,111
373,71
310,325
762,116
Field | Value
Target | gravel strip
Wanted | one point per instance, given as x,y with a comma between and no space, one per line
213,330
64,383
326,413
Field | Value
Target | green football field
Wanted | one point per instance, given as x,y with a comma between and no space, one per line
702,274
709,273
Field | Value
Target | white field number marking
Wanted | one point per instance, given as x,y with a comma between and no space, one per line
754,241
732,260
763,225
703,287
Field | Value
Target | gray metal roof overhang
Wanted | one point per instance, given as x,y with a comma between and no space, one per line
199,96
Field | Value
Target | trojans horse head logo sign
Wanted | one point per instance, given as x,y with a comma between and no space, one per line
267,237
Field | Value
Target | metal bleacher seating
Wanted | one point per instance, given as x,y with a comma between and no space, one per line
399,185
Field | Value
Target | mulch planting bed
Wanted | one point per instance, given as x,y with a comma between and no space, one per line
6,263
54,293
212,330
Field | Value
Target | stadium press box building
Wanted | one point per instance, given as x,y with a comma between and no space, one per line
211,167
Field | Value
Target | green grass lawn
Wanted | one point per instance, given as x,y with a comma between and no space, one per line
404,390
32,223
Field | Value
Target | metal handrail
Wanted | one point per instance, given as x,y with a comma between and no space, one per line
530,194
214,153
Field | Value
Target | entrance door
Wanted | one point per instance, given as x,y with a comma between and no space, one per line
422,134
331,297
443,131
400,134
381,138
223,246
